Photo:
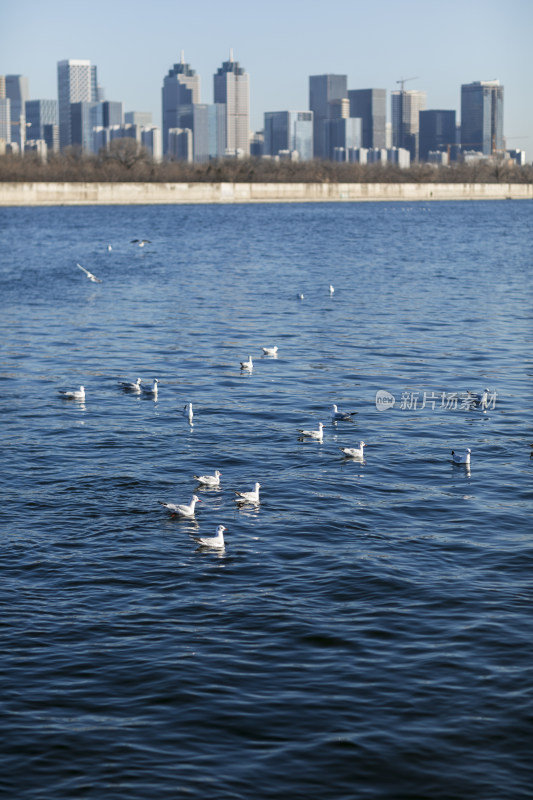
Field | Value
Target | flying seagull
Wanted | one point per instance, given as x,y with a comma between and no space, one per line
140,242
91,277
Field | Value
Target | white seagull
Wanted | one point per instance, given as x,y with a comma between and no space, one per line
270,351
336,415
464,459
212,541
300,296
91,277
182,509
151,390
248,497
76,394
140,242
208,480
354,452
247,364
131,387
319,434
331,289
187,412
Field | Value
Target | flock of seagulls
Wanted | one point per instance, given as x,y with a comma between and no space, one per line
187,510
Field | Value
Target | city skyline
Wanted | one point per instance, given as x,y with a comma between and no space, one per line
280,49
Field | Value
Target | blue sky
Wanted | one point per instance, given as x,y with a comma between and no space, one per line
134,43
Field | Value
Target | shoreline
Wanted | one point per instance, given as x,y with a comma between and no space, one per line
136,193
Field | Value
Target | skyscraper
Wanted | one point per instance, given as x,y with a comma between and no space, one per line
16,89
231,86
406,106
324,90
482,116
289,131
41,119
370,106
76,83
181,87
437,132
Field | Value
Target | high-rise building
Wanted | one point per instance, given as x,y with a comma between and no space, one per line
437,132
482,117
231,87
342,135
143,118
42,122
289,131
181,87
371,106
406,106
16,89
112,113
323,91
5,120
76,83
84,117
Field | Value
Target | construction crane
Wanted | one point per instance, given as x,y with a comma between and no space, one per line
404,80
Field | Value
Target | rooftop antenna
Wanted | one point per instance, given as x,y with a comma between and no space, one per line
231,54
182,57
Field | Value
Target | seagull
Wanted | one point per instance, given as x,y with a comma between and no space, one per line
131,387
109,248
248,497
152,390
187,412
182,510
354,452
91,277
212,541
300,296
337,415
270,351
331,289
464,459
209,480
140,242
319,434
77,394
247,364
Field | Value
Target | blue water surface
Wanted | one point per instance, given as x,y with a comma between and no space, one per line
366,632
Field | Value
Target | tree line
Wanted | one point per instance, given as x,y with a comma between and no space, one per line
126,161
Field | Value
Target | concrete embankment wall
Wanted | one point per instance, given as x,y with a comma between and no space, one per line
58,194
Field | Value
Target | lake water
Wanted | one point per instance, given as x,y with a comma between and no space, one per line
367,631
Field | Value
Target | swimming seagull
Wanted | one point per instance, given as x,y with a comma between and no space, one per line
140,242
187,412
464,459
91,277
354,452
319,434
481,400
331,289
247,364
300,296
151,390
270,351
209,480
182,509
248,497
76,394
336,415
131,387
212,541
